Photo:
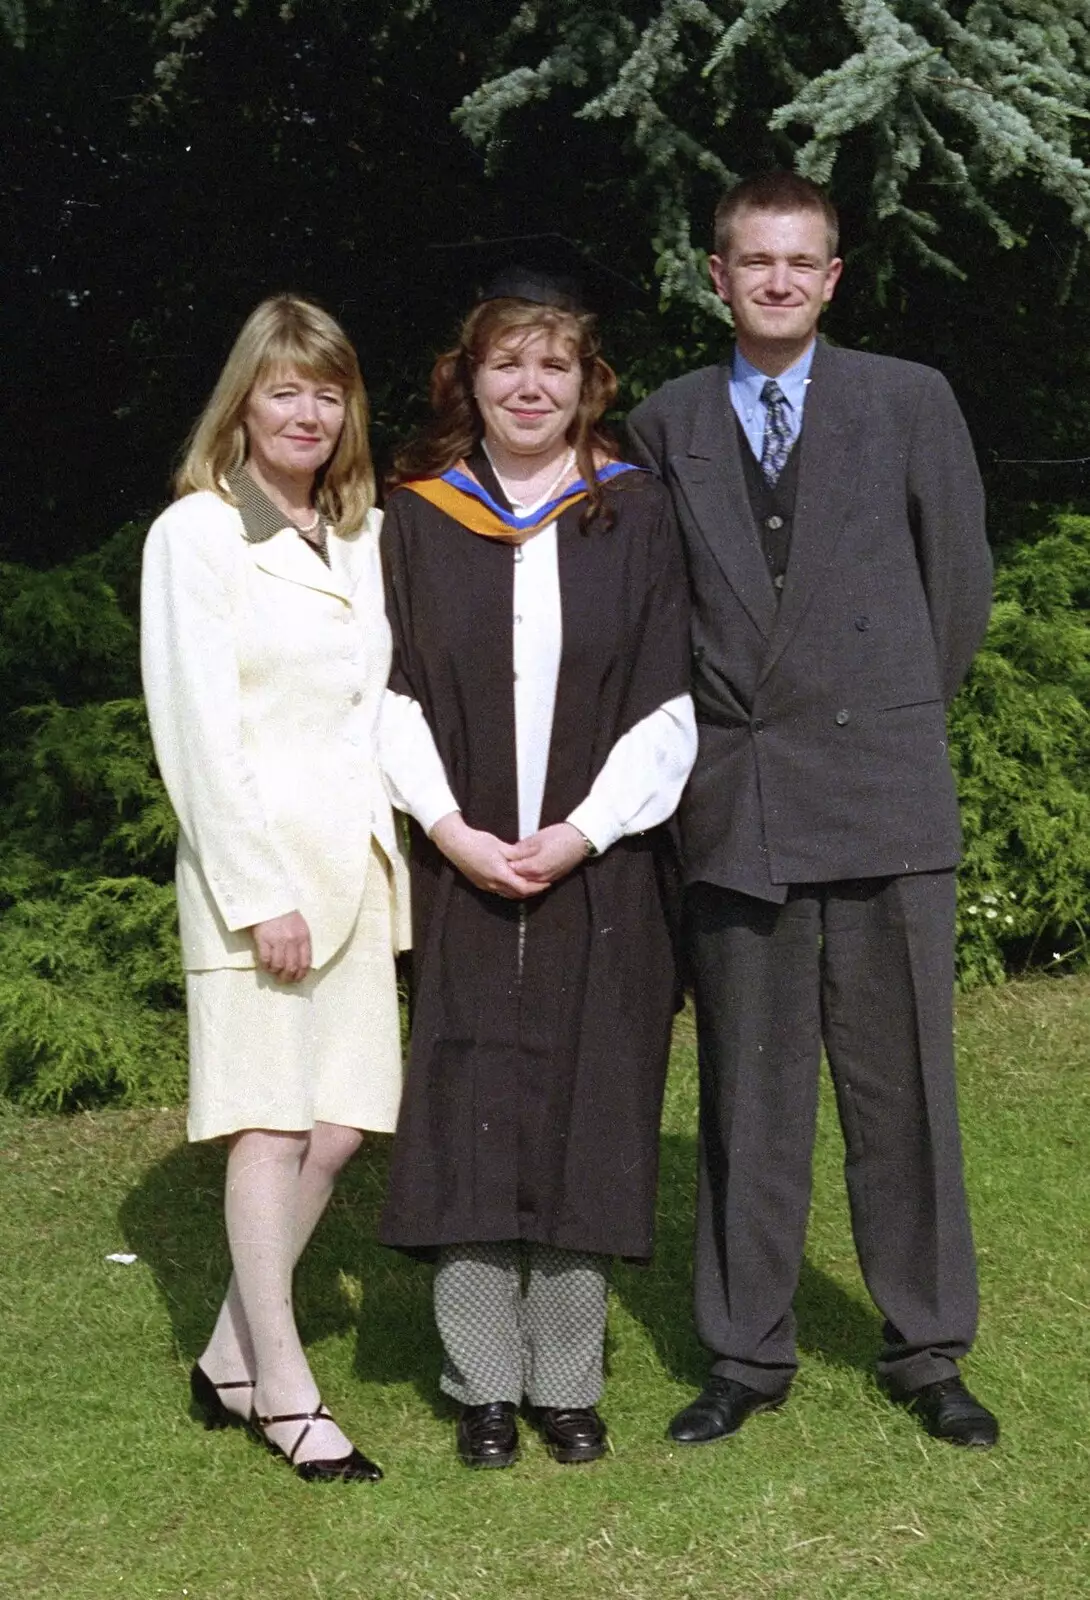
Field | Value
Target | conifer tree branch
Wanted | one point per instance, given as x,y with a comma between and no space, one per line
952,105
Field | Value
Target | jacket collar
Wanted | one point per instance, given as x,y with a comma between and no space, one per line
279,547
712,479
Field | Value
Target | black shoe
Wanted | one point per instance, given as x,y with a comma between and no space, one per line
207,1403
488,1435
352,1468
720,1410
949,1412
572,1433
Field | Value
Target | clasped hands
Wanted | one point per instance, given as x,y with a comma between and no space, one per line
515,871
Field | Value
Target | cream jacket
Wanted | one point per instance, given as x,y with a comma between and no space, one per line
264,673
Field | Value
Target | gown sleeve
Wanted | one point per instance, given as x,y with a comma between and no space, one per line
412,767
641,782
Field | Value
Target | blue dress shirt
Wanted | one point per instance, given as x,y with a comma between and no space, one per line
746,383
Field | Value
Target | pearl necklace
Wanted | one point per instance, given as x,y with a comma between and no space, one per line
542,499
310,527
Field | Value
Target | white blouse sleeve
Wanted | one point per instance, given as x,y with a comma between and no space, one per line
412,767
641,782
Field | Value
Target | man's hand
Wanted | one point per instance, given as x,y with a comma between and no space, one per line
549,854
283,946
482,858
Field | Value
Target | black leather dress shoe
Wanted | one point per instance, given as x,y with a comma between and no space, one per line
572,1433
488,1435
720,1410
949,1412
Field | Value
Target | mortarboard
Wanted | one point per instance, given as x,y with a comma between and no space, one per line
544,268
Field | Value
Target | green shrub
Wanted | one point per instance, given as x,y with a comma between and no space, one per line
1020,739
90,977
90,1002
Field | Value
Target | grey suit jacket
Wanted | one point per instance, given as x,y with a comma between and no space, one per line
822,731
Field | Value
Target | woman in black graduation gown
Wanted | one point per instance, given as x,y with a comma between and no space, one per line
539,730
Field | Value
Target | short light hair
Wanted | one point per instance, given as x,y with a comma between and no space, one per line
285,334
777,191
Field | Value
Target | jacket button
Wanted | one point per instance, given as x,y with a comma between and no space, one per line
356,698
777,582
775,523
842,717
862,623
758,724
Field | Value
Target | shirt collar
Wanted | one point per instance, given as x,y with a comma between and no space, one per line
261,519
793,382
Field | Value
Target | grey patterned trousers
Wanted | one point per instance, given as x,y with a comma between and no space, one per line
519,1319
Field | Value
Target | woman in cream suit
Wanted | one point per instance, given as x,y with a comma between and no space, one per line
265,655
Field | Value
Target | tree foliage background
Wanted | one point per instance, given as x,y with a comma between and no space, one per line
167,162
170,162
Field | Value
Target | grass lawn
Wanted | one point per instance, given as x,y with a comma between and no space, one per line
108,1488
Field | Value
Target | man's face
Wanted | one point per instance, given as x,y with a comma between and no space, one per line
776,276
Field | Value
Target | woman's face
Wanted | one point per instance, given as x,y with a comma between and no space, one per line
527,389
293,424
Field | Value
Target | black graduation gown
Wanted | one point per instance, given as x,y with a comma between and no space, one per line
532,1100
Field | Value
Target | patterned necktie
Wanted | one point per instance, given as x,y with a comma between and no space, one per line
776,445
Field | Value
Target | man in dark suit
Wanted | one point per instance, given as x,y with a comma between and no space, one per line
833,518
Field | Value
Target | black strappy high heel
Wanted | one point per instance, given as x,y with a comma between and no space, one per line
352,1468
206,1399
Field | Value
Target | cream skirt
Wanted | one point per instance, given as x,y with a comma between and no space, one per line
265,1054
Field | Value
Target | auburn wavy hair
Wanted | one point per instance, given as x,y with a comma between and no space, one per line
286,334
456,428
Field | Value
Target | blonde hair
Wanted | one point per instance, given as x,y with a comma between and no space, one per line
286,333
777,191
456,427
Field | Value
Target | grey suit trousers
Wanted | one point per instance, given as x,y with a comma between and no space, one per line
865,966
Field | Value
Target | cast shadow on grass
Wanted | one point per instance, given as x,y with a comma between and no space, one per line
173,1219
845,1331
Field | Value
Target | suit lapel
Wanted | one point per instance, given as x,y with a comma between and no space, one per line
713,483
828,470
285,556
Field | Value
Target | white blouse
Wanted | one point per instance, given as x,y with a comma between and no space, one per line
642,778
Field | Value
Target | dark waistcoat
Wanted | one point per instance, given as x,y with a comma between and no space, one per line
772,504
